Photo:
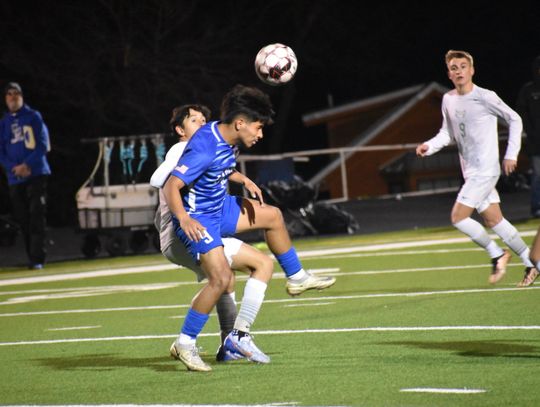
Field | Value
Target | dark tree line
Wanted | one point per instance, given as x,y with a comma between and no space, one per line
110,68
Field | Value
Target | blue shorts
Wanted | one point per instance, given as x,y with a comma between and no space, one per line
218,225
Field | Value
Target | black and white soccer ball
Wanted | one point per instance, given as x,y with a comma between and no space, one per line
276,64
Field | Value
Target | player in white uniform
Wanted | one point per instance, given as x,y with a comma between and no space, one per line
184,122
470,120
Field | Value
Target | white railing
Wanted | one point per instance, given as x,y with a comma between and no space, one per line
342,152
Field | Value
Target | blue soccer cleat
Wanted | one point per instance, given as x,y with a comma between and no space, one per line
245,346
226,355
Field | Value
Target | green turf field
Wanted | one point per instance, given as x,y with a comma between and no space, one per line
411,321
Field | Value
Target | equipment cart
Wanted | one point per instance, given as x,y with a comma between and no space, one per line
121,215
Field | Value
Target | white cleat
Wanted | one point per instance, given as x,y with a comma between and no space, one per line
246,347
189,356
499,267
531,274
311,282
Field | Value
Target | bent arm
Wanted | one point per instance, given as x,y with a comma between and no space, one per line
191,227
253,189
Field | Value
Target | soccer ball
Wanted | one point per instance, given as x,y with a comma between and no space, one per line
276,64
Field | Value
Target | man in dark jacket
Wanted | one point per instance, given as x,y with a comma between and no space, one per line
24,143
528,107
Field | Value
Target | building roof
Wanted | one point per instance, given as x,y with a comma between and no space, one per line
399,102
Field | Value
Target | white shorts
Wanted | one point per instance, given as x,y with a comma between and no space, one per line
177,253
479,193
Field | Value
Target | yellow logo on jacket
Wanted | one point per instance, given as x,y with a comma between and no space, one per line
29,139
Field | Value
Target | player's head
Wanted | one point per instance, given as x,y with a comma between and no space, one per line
14,96
251,103
246,111
460,66
187,119
452,54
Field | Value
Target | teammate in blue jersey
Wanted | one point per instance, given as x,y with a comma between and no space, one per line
196,194
184,122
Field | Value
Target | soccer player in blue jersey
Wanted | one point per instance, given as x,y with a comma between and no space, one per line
203,213
184,122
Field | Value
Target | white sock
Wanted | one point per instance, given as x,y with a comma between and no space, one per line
494,250
526,259
478,234
185,340
299,275
509,235
251,303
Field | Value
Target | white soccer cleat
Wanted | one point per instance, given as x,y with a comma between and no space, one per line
531,273
189,356
245,346
499,267
311,282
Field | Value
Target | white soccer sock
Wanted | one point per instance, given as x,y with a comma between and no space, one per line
494,250
298,276
185,340
509,235
478,234
525,258
251,303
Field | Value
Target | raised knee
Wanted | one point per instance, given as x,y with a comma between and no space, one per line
276,215
455,219
220,280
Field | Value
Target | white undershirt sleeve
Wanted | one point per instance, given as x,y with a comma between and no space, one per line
160,175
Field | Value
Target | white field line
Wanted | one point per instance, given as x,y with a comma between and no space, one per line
92,310
90,292
316,304
89,274
301,254
90,288
73,328
72,292
133,287
109,273
76,292
285,300
404,253
276,404
397,245
293,331
417,269
442,390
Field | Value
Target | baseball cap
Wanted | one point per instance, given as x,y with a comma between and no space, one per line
13,85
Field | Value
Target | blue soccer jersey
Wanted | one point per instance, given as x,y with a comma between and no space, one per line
205,166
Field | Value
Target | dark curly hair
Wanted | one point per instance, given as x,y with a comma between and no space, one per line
252,103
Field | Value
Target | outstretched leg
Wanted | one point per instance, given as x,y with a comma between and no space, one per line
493,218
463,222
254,216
